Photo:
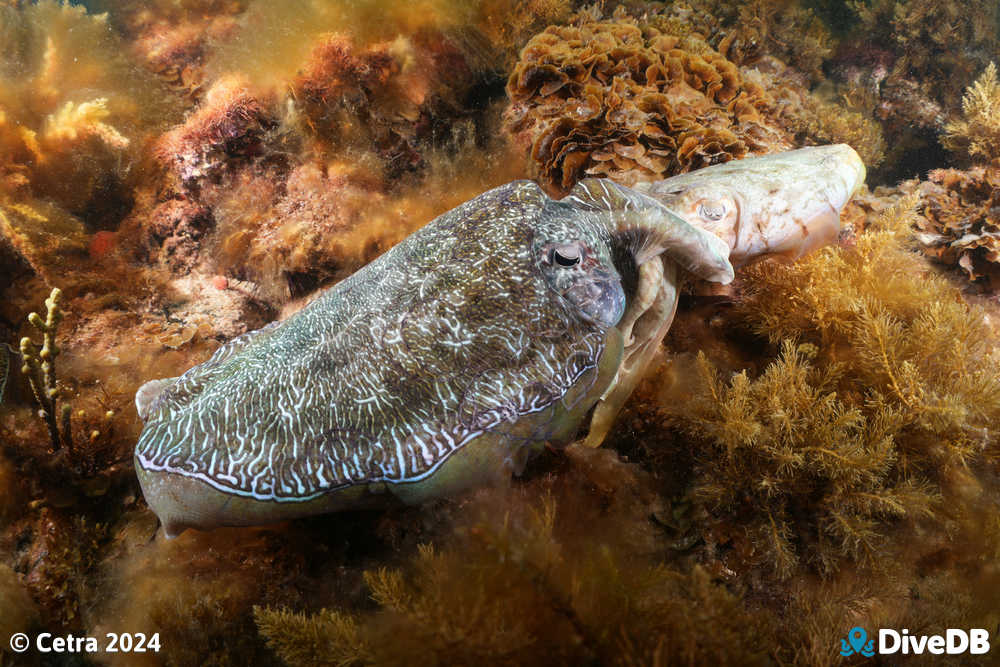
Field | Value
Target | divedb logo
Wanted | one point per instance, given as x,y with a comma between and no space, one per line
954,641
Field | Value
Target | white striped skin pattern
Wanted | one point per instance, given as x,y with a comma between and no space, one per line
460,330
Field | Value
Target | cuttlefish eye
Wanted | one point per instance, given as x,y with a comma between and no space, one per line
576,273
712,210
566,255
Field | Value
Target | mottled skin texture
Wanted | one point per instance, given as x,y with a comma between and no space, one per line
452,358
444,363
784,204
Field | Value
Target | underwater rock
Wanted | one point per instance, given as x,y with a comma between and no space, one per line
227,128
174,233
174,40
936,45
380,96
62,550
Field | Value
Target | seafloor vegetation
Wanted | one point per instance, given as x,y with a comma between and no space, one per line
815,448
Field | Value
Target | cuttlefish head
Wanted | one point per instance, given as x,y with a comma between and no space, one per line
781,205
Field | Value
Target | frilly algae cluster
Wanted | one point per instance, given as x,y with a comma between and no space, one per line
627,101
815,448
640,99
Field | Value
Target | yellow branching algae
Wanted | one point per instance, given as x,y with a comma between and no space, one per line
978,132
801,441
566,568
875,414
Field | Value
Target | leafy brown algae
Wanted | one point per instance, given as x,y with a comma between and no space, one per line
456,355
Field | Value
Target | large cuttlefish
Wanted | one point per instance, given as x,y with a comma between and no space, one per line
451,359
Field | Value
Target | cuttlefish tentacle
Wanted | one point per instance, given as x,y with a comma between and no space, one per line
647,290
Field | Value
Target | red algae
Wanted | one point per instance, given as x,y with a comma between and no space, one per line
101,243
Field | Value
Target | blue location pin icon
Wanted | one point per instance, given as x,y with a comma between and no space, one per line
857,636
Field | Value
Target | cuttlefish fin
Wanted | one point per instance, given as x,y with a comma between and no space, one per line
147,395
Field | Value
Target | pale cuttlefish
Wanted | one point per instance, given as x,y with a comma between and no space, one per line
448,361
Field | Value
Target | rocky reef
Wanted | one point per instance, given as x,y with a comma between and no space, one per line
814,448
